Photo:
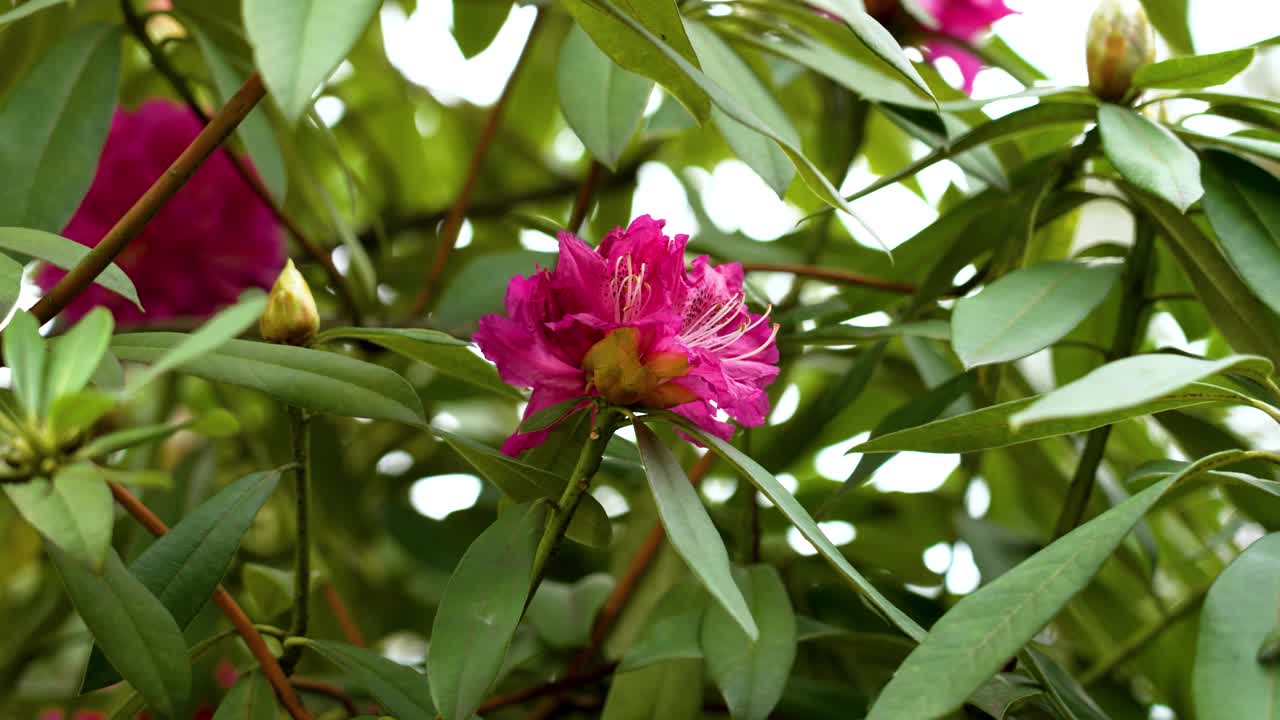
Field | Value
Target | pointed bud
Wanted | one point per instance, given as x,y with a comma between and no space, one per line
1120,41
291,317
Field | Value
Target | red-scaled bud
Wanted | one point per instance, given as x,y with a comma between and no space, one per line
291,317
1120,41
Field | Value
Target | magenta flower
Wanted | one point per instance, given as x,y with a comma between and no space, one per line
964,20
211,242
627,321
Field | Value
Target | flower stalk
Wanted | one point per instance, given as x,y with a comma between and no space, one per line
298,422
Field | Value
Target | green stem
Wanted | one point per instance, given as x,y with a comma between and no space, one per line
1143,637
298,421
1128,335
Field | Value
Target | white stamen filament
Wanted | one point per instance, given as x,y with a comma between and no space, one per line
772,336
628,288
708,331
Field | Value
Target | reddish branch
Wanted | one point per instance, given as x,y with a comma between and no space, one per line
840,277
333,692
223,599
571,682
586,193
350,630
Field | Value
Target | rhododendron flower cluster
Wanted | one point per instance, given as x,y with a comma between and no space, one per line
212,241
628,322
964,20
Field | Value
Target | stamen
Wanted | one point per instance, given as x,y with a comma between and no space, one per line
772,336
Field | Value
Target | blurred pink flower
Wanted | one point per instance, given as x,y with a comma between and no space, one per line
211,242
964,20
628,321
225,674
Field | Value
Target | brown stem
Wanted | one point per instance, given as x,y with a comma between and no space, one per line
138,28
842,277
570,682
333,692
164,188
350,630
453,223
582,205
223,599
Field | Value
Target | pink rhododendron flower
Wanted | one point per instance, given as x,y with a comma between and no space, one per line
628,321
211,242
964,20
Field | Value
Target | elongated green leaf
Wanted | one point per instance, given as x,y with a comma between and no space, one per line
547,417
476,24
311,379
854,334
669,690
602,102
298,43
10,283
75,355
690,529
184,566
1242,202
724,67
1150,156
1239,613
53,126
1066,692
73,412
562,613
1197,71
795,512
1237,143
751,673
135,631
212,335
480,610
878,40
27,8
61,252
672,631
1028,310
251,698
26,355
1170,19
401,690
590,524
1130,382
74,511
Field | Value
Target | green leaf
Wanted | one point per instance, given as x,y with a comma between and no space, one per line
1150,156
562,614
795,512
401,690
601,101
1239,613
1066,692
1197,71
480,610
298,43
724,67
878,40
1242,202
1170,19
752,672
672,631
690,529
74,511
310,379
590,524
26,356
66,254
547,417
73,412
251,698
133,629
1130,382
53,125
614,32
183,567
477,22
1029,309
10,283
212,335
75,355
28,8
662,691
1238,143
855,334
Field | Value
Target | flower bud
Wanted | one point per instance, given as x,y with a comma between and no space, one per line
617,371
291,317
1120,41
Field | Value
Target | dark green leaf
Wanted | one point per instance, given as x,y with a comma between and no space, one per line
751,673
1242,202
251,698
476,24
63,253
401,690
550,415
1194,72
601,101
215,333
27,8
1150,156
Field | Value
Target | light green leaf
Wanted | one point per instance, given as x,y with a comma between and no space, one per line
401,690
298,43
1130,382
480,610
53,126
563,613
10,283
477,22
1242,202
75,355
1029,309
251,698
26,355
66,254
1238,143
27,8
690,529
601,101
1239,613
311,379
212,335
1197,71
74,412
1150,156
752,672
669,690
74,511
135,632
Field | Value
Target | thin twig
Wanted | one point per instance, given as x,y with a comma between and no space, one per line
586,194
298,423
841,277
333,692
350,630
223,599
453,223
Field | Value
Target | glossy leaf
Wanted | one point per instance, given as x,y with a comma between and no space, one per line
312,379
690,530
215,333
76,355
53,125
63,253
1242,202
74,511
1197,71
751,673
401,690
1150,156
1028,310
480,610
251,698
298,43
601,101
26,355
